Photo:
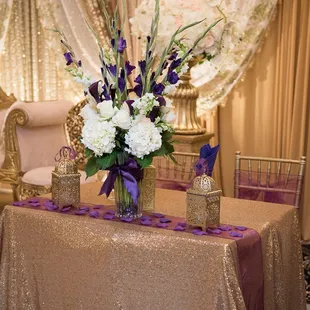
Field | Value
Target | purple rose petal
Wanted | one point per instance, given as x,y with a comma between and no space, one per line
145,217
241,228
33,200
65,209
164,220
51,207
126,219
94,214
235,234
214,231
34,204
158,215
85,208
179,228
146,222
112,212
109,216
18,203
199,232
98,206
182,224
224,227
161,225
80,212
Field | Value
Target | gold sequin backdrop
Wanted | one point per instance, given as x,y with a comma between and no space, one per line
31,61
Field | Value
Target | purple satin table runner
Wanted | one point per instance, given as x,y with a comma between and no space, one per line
249,248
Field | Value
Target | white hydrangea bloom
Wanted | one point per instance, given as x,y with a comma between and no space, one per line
145,104
99,136
143,138
89,112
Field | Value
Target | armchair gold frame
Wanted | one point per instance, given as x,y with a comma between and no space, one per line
280,164
74,127
9,169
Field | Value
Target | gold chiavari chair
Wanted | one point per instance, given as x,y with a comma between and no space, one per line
175,176
269,179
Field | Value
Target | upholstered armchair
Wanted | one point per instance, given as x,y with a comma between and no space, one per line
34,134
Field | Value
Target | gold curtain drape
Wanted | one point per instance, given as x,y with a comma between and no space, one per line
268,114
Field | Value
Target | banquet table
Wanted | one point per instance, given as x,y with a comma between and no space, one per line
59,261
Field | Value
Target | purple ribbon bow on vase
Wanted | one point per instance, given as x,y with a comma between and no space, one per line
130,173
206,162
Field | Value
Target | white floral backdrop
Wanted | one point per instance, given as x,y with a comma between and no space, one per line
233,42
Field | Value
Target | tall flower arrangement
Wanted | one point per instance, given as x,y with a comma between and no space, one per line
127,120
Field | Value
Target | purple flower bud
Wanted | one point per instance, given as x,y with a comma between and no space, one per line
138,90
121,84
164,65
129,103
158,88
121,45
122,73
113,42
161,100
69,58
173,56
138,79
80,63
118,33
154,114
175,64
112,69
105,93
129,68
148,39
172,77
152,76
149,54
142,65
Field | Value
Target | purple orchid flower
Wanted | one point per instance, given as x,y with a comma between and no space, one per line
172,77
69,58
161,100
175,64
121,45
142,66
138,90
173,56
209,154
235,234
131,109
93,214
179,228
112,69
138,79
146,222
105,93
158,88
121,84
154,114
129,68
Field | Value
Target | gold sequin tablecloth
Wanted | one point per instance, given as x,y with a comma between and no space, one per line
57,261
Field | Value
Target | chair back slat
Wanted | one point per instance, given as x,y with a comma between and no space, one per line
288,172
267,182
250,171
259,176
268,174
278,172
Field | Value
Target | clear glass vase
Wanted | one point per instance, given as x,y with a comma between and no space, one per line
125,206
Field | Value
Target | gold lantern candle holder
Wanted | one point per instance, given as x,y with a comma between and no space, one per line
66,180
203,203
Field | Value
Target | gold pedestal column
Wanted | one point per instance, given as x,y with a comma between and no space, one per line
188,131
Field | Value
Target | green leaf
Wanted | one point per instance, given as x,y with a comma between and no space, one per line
106,161
88,152
91,167
146,161
173,159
